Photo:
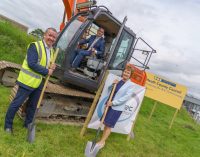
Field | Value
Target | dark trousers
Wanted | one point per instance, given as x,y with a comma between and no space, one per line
21,96
78,57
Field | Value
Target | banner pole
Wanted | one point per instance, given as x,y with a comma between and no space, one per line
153,109
93,106
129,135
173,118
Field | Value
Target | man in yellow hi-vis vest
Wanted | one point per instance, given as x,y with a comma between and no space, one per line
34,67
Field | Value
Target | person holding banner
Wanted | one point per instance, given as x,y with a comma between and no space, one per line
122,94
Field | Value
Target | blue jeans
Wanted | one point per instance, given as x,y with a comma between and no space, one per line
80,54
21,96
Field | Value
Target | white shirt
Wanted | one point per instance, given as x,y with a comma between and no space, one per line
94,42
48,53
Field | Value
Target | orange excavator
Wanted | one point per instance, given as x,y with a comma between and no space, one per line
69,95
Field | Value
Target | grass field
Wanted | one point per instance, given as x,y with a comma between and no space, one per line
152,137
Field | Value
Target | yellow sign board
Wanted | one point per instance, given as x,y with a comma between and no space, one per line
165,91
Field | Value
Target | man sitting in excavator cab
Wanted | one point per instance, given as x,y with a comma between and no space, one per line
96,48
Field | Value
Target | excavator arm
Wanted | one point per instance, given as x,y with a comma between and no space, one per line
71,7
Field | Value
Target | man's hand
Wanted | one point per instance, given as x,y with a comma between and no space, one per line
93,52
50,71
53,66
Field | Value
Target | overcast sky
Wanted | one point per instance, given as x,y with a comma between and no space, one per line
171,27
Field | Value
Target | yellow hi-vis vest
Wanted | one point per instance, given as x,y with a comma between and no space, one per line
29,77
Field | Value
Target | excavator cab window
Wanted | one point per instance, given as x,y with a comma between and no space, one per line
122,51
65,39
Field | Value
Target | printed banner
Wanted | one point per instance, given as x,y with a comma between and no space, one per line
165,91
131,109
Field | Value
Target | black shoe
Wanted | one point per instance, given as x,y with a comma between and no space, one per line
8,130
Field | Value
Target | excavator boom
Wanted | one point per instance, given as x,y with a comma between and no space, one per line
71,8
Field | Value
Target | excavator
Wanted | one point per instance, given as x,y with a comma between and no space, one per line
69,94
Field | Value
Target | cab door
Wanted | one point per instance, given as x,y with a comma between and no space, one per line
122,51
113,49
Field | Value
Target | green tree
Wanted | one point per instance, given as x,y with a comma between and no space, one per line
37,33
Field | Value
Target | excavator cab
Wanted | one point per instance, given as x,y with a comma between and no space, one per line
118,38
119,47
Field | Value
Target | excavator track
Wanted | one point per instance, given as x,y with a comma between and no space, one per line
60,104
8,73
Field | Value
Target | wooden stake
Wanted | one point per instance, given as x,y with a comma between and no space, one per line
93,106
153,109
173,118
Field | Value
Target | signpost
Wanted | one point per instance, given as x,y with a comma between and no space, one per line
165,91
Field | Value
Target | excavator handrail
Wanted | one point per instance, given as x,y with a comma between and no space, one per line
149,53
153,50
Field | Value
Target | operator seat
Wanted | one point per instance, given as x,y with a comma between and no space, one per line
94,64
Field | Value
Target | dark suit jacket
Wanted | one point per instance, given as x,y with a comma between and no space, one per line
99,46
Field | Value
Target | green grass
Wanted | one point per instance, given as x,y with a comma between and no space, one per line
152,137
